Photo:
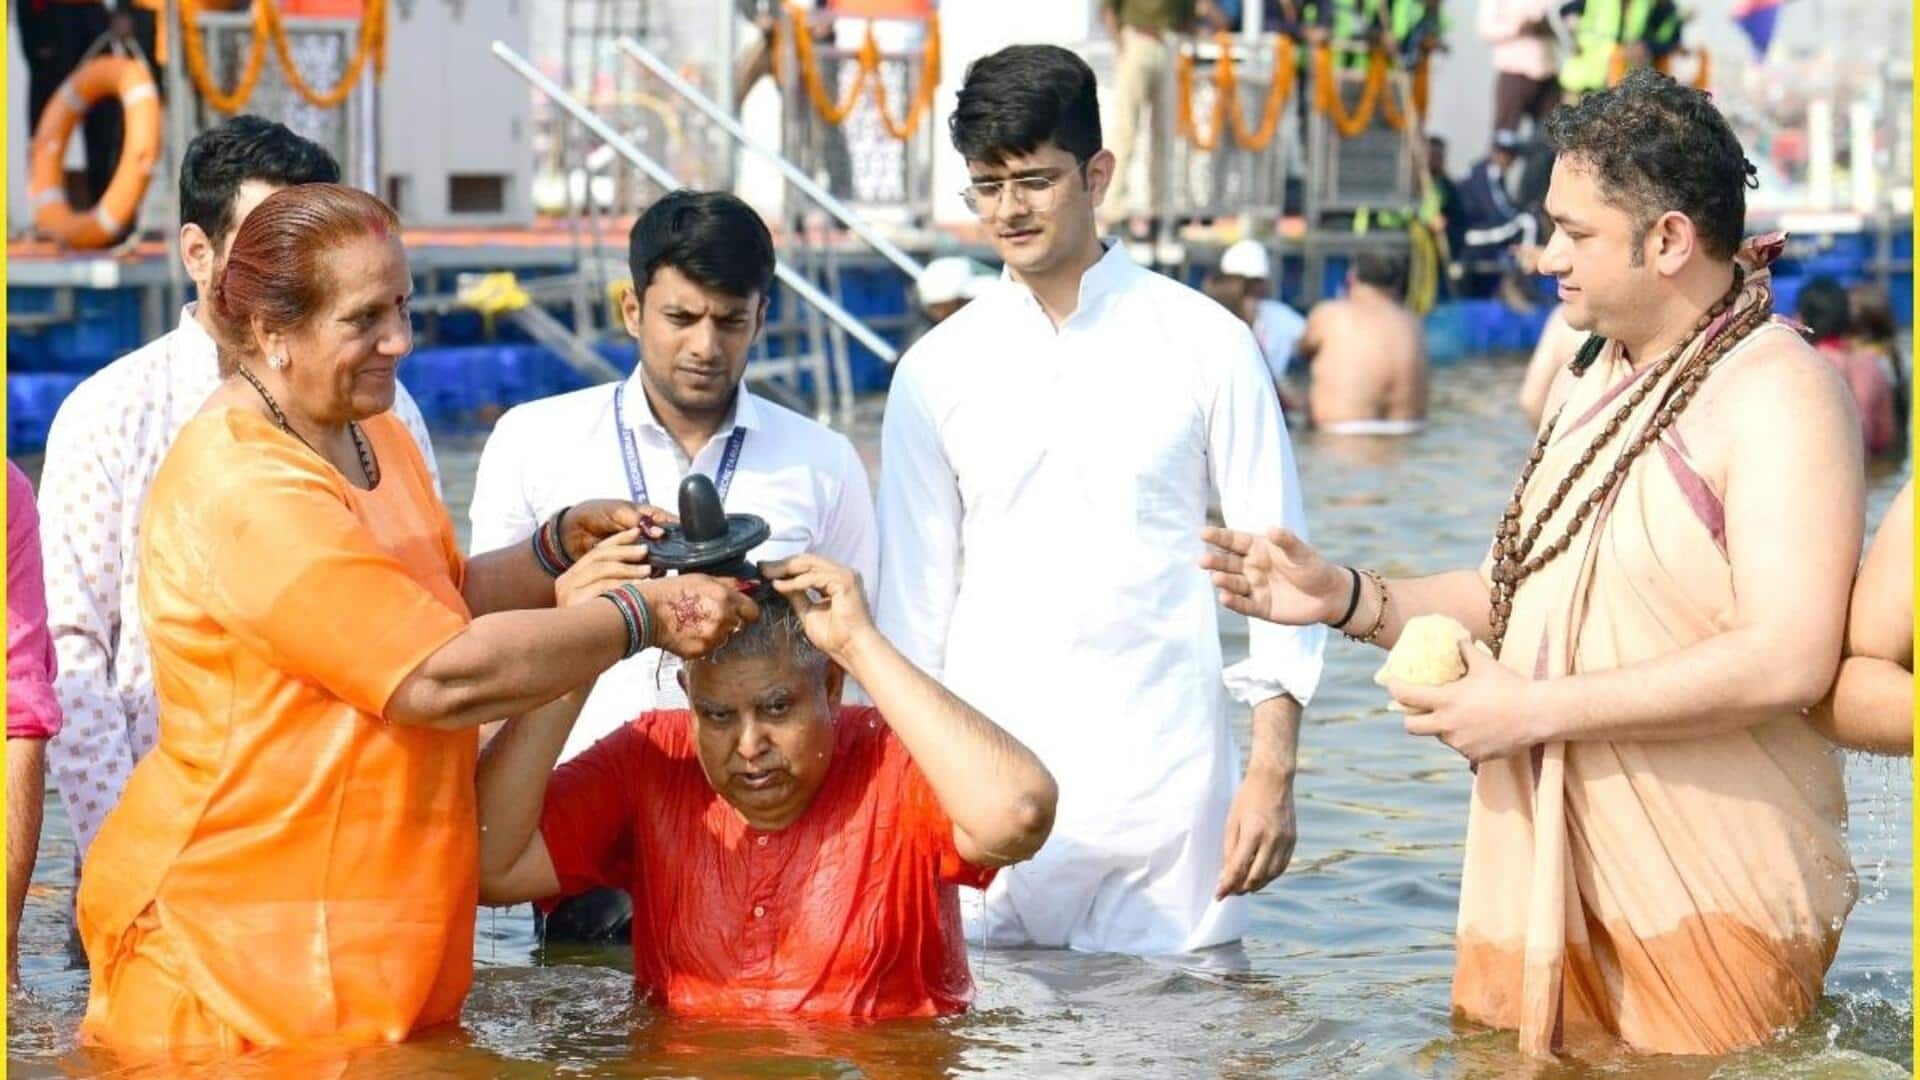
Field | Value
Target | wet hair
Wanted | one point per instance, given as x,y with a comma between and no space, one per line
1022,97
1823,309
712,237
1382,270
244,148
776,634
276,269
1656,146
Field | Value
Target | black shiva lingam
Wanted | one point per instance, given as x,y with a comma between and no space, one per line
708,540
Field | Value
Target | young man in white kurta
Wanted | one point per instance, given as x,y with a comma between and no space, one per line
702,263
1046,465
106,443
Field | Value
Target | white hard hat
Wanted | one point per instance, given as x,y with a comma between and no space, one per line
948,278
1247,259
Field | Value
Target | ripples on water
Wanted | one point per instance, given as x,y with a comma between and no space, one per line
1345,971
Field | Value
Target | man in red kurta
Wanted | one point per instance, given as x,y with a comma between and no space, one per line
786,855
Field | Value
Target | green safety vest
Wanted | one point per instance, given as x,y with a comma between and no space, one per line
1351,21
1604,26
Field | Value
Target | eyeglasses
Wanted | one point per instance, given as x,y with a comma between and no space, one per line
1036,192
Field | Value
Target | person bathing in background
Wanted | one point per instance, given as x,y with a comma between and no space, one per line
1876,333
786,854
1824,312
948,284
1276,326
1369,354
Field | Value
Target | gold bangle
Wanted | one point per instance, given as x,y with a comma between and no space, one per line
1380,618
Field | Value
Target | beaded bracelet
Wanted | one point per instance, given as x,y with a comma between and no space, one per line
1380,619
633,611
549,550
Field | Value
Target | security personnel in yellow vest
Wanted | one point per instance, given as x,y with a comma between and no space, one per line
1418,29
1645,30
1407,29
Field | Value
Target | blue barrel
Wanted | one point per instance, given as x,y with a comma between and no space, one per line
32,400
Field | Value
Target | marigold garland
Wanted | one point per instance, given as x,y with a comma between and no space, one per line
868,60
1226,111
1327,92
222,100
268,28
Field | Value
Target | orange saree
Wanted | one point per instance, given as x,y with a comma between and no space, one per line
285,867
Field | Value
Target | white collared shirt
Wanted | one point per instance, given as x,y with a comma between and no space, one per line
806,480
1041,499
106,443
1278,328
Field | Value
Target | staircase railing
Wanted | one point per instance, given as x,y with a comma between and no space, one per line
796,282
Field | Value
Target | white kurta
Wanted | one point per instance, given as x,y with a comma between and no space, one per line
806,480
1041,497
105,445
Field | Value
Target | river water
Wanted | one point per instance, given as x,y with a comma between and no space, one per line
1345,971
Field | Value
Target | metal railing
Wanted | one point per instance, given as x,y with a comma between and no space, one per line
860,161
829,366
1230,179
841,212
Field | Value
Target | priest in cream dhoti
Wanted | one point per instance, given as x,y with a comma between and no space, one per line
1656,849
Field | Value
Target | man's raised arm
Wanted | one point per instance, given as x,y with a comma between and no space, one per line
999,795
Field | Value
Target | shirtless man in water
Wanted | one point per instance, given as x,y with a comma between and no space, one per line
1368,354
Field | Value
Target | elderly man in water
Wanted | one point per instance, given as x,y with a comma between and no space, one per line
786,854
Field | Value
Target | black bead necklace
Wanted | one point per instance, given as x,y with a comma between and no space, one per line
368,466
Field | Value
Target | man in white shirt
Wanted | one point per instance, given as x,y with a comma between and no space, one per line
103,449
1086,398
702,265
1276,327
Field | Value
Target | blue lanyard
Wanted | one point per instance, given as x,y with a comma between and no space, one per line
630,453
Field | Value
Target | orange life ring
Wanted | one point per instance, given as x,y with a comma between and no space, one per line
95,80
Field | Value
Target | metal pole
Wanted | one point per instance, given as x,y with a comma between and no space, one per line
659,175
729,48
178,116
887,249
1159,167
369,105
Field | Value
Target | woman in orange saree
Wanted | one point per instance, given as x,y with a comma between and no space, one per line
295,862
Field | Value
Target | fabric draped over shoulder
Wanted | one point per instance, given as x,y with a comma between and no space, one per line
286,867
1684,895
